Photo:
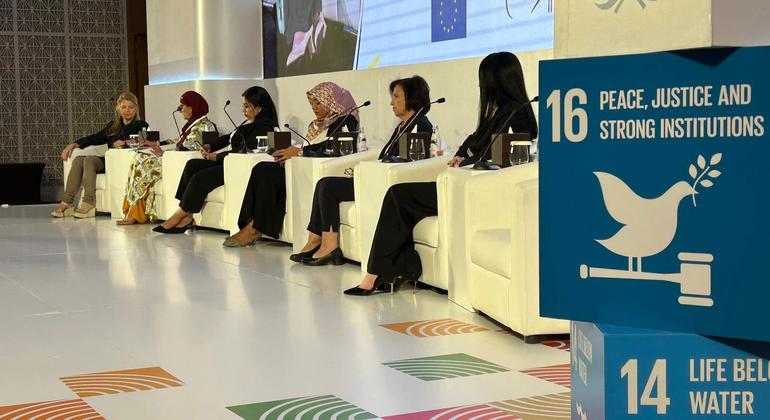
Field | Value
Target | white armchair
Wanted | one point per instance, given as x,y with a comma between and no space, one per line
237,173
173,165
306,172
502,250
359,220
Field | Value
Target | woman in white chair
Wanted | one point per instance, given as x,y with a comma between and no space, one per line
264,203
408,96
393,259
126,122
201,176
145,171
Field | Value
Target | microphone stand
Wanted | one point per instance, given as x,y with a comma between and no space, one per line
173,115
487,164
345,118
409,125
308,153
244,147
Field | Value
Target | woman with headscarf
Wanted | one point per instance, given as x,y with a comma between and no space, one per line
202,176
264,204
145,171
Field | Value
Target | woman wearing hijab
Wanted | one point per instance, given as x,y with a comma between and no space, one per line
393,259
145,172
264,204
408,96
201,176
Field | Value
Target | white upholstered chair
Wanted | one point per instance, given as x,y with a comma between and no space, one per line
502,250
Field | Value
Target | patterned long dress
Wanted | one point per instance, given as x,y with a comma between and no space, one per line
146,171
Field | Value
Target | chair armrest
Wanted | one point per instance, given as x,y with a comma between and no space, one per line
173,165
237,173
337,167
489,197
421,171
99,150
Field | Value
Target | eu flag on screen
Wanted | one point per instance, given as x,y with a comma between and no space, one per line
447,20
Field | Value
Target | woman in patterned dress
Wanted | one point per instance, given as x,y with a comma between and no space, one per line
145,173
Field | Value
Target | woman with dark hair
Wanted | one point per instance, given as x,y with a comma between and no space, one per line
145,171
408,96
264,203
201,176
393,259
125,122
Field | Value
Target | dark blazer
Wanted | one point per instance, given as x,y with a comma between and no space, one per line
423,126
350,123
250,131
476,142
102,137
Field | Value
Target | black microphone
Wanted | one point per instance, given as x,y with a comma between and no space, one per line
244,147
342,121
387,158
173,115
486,164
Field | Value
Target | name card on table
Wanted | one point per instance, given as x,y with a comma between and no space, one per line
501,149
278,140
653,202
407,139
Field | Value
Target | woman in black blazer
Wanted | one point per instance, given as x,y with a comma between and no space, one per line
201,176
408,96
393,259
264,204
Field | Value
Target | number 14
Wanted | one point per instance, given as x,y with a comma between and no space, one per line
657,380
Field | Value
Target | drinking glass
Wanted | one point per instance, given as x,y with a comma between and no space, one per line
261,144
416,149
519,153
346,146
133,141
329,147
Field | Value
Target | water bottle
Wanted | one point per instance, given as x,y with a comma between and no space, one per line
362,147
436,146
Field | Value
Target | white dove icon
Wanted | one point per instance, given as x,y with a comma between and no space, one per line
649,227
650,224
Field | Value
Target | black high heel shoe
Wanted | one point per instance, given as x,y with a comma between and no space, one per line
175,230
376,288
335,257
395,285
304,256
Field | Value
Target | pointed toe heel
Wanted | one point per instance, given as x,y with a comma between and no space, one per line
304,256
335,257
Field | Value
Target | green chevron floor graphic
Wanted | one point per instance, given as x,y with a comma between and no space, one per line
449,366
324,407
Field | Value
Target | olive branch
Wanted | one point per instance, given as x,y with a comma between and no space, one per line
702,170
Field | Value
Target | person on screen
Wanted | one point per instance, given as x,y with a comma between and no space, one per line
393,259
145,170
264,203
125,122
201,176
408,96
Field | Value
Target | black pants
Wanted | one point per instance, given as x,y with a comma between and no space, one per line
329,193
199,178
403,207
265,200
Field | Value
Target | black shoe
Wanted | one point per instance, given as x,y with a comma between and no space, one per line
395,285
335,257
303,256
376,288
175,230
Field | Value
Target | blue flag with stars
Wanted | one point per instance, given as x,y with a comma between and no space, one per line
448,20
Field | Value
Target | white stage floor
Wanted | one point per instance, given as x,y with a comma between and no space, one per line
212,333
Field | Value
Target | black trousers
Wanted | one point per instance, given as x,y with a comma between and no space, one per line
403,207
199,178
265,200
329,193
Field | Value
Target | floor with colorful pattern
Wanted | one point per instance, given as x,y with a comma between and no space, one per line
106,322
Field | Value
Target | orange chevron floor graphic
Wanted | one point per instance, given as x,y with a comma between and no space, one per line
50,410
106,383
434,328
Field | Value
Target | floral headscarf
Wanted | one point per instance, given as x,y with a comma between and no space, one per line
337,100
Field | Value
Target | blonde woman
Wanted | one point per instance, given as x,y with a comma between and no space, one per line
145,171
126,122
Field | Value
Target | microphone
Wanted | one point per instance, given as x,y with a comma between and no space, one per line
308,153
244,147
173,115
387,158
486,164
342,121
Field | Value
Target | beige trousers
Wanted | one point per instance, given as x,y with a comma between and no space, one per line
83,172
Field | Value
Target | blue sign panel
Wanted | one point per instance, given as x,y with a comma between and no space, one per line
628,373
654,171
